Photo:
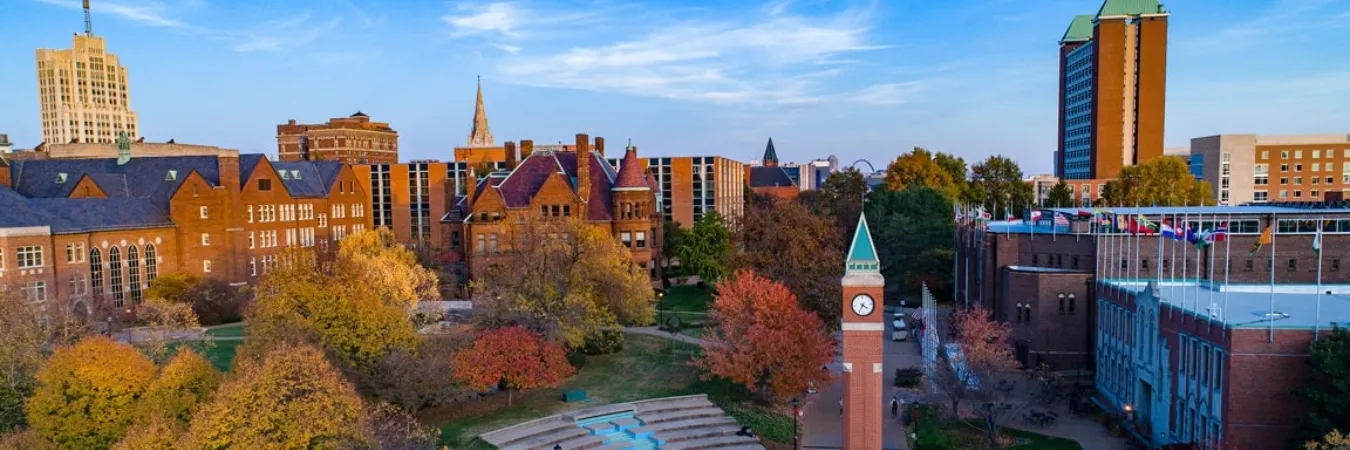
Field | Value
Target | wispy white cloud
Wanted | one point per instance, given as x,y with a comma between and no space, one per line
362,17
777,57
150,13
281,35
270,36
508,48
1283,19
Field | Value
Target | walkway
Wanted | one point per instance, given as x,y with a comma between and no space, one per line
653,331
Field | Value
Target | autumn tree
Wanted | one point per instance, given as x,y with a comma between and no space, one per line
163,322
26,440
214,301
784,242
996,183
841,199
513,358
918,167
566,279
913,233
1334,440
1327,392
155,433
387,267
293,398
391,428
1165,181
706,249
672,236
974,368
1060,196
416,379
24,341
87,393
761,339
183,385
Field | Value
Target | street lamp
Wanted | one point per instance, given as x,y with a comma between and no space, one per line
1129,412
796,411
660,308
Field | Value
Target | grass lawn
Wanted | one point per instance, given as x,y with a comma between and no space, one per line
227,331
648,367
220,353
938,433
686,298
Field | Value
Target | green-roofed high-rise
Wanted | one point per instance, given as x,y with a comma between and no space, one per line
1112,90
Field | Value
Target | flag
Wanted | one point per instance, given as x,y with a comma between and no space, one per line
1317,242
1035,216
1149,226
1083,212
1010,216
985,215
1061,220
1220,234
1263,240
1167,230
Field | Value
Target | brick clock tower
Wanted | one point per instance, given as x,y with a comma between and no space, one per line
863,327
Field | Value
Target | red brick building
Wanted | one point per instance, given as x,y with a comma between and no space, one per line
96,229
351,140
769,179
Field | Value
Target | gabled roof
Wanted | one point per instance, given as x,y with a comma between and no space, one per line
770,155
862,253
112,184
315,177
142,177
77,215
529,176
769,177
1130,8
1080,29
247,163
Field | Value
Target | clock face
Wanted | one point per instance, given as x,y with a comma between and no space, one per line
863,305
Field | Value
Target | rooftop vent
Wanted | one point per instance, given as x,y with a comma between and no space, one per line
1272,315
172,175
60,178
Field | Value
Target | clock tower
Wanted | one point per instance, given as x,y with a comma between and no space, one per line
863,331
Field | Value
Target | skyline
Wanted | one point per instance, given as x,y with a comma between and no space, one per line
860,80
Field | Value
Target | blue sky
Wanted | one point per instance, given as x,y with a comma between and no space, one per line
857,79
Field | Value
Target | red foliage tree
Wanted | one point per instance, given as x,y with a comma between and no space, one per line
515,358
987,362
762,339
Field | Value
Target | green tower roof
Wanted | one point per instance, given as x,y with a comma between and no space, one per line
862,254
1130,8
1080,30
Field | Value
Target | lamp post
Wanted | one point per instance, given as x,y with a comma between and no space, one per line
796,411
660,308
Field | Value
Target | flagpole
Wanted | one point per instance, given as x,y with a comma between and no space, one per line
1317,242
956,243
1173,265
1214,219
1185,261
1270,315
1162,220
1228,246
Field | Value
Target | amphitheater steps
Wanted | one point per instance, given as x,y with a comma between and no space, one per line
717,442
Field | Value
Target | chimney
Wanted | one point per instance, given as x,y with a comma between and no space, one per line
600,146
583,168
511,158
290,122
526,148
470,186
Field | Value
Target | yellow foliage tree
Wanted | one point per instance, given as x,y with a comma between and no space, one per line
918,167
163,322
183,384
567,280
1335,440
1165,181
87,393
173,286
158,433
26,440
293,399
387,267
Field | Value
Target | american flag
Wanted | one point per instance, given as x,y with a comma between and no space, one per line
1061,220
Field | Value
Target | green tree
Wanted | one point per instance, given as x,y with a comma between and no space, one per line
919,168
913,233
1060,196
997,184
841,199
784,242
706,249
293,398
87,393
1328,392
1165,181
672,236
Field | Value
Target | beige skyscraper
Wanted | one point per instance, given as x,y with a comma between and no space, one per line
83,92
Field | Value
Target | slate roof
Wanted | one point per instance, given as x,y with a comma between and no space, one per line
77,215
524,182
770,155
316,177
140,177
247,163
1080,29
769,177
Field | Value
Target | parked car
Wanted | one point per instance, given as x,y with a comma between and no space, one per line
899,331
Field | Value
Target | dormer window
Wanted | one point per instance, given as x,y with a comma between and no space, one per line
172,175
264,184
295,174
61,178
285,175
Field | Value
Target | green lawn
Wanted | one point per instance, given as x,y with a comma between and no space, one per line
220,353
648,367
942,434
686,298
227,331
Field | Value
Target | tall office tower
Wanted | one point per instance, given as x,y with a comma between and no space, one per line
1112,90
83,93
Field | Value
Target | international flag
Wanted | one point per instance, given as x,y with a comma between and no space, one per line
1061,220
1147,226
1263,240
1035,216
1083,212
1167,230
1317,241
1220,234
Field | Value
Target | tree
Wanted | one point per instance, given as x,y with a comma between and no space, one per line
393,429
513,358
913,233
1165,181
163,322
1334,440
157,433
173,286
1328,391
997,184
293,398
416,379
672,237
183,385
1060,196
841,199
86,393
983,362
214,301
762,340
25,340
783,241
706,249
919,168
567,280
387,267
26,440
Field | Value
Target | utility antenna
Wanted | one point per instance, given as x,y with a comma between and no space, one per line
88,24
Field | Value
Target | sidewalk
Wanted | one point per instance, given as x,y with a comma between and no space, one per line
653,331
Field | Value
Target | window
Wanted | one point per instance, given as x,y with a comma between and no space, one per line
1143,264
253,267
1248,266
1284,167
250,240
30,256
115,276
1265,154
1298,154
1284,154
96,271
1293,264
1072,302
482,244
77,285
1298,167
203,212
75,252
264,184
206,266
151,263
35,291
134,274
567,210
492,243
642,239
1035,259
1335,265
1317,154
250,213
206,239
1124,264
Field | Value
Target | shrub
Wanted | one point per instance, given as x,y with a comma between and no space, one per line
603,342
577,359
908,378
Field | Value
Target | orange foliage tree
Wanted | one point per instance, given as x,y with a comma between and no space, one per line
515,358
762,339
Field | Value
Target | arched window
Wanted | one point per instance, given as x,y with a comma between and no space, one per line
134,273
151,263
115,277
96,271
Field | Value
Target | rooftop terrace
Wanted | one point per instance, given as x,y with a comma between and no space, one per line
1295,306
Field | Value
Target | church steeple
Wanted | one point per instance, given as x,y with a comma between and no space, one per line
480,135
770,155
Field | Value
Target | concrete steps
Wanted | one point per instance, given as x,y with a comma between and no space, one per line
718,442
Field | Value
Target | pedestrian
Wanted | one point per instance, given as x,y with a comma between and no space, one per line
841,407
895,407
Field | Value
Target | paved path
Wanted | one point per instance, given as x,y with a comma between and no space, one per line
653,331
